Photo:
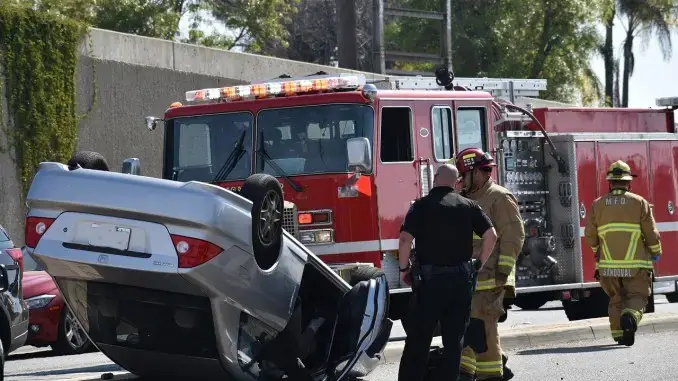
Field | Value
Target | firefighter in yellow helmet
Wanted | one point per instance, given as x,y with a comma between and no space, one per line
622,233
497,277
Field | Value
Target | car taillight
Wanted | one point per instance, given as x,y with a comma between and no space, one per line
193,252
35,228
18,256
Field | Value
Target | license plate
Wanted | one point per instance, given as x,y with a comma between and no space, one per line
110,236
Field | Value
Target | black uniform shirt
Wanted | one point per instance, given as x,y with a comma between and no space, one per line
443,223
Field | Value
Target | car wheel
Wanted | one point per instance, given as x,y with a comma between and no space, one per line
71,338
266,195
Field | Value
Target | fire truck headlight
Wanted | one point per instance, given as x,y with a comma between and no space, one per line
314,237
347,191
323,236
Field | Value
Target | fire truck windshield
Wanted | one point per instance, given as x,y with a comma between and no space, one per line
196,147
311,139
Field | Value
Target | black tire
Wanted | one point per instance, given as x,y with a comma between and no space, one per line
574,310
672,297
266,195
78,342
594,306
530,302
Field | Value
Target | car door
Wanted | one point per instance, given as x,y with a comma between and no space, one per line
362,328
12,297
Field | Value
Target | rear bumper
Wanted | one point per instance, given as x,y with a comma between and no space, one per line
163,315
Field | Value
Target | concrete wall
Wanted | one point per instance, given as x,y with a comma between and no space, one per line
135,77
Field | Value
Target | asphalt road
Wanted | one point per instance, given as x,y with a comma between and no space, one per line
32,364
652,358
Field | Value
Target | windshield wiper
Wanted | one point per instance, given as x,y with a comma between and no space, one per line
261,151
232,159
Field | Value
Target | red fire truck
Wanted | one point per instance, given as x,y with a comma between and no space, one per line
353,155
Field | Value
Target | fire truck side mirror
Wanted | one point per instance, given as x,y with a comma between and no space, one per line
359,155
131,166
152,122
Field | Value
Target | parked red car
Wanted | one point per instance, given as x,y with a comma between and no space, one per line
50,321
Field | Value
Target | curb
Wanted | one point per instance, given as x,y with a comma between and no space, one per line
539,335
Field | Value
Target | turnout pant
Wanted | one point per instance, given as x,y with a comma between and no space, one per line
487,306
627,296
443,298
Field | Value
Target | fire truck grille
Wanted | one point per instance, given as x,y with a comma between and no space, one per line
290,219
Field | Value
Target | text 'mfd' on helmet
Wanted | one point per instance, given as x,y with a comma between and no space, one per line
471,158
619,171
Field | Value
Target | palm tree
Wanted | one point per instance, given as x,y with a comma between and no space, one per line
644,19
607,51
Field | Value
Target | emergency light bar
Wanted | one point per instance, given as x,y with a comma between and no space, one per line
667,102
285,87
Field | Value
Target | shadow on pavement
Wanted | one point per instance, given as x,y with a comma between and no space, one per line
30,355
82,369
592,348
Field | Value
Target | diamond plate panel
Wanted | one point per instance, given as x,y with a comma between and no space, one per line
564,212
425,177
290,221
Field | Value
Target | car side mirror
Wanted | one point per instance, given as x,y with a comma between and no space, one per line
152,122
4,281
131,166
359,155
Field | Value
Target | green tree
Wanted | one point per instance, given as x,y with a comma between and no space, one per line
607,51
645,19
151,18
254,22
551,39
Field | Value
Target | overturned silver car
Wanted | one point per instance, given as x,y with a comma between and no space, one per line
191,280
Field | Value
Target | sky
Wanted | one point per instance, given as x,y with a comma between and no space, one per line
653,77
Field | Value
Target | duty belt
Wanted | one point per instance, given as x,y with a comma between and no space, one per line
429,270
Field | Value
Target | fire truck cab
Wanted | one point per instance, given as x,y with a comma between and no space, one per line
351,157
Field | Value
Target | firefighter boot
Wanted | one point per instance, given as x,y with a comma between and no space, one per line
508,374
628,324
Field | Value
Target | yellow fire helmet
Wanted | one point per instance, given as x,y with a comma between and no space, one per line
619,171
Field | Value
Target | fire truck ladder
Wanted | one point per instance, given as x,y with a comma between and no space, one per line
503,88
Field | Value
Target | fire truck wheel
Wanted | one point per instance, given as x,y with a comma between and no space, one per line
266,195
591,307
672,297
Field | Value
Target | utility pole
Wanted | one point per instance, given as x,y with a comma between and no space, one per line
347,34
380,55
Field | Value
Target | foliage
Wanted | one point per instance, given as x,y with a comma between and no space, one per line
312,34
255,22
39,55
645,19
551,39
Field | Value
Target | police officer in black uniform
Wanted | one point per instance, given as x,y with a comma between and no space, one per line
443,223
